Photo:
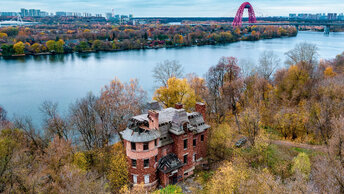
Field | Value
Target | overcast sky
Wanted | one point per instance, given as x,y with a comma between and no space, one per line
217,8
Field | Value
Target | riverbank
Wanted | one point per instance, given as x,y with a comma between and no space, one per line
245,38
88,39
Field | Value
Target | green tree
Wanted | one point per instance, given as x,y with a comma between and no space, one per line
51,45
7,50
59,46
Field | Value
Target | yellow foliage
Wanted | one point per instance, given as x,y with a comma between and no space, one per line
19,47
329,72
118,172
302,164
3,35
227,179
178,39
80,161
176,91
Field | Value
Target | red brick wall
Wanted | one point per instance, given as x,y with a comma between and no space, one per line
140,170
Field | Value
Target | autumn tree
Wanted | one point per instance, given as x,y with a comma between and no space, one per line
51,45
178,39
97,120
176,91
220,143
198,84
19,47
233,84
3,114
293,85
268,63
215,79
302,165
166,70
118,172
305,53
53,123
329,168
250,124
227,179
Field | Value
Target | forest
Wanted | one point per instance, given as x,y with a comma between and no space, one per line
69,38
290,112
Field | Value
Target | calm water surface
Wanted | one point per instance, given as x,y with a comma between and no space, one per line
26,82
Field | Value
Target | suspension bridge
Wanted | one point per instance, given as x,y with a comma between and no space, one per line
253,21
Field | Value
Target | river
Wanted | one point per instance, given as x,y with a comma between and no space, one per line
26,82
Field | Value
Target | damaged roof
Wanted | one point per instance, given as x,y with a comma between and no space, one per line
169,163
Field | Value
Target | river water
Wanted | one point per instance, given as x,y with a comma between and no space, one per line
27,82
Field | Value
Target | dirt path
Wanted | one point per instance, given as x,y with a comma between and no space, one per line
300,145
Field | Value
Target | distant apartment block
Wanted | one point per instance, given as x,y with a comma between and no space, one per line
8,14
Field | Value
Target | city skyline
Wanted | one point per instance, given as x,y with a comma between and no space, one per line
190,8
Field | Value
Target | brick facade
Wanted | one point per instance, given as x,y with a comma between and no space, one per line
188,142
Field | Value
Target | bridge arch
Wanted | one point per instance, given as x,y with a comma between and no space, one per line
251,15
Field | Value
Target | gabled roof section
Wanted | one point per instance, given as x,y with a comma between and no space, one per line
169,163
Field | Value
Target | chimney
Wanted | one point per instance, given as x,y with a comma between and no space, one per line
178,106
153,119
200,107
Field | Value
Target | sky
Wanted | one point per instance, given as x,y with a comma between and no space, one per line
177,8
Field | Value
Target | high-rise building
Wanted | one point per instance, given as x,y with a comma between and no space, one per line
332,16
24,12
87,14
8,14
99,15
34,12
61,13
44,14
109,16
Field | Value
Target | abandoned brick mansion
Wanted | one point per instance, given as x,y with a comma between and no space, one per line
164,146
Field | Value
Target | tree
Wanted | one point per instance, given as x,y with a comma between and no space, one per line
97,120
178,39
250,123
19,47
53,123
233,84
302,164
118,172
59,46
51,45
170,189
219,147
303,52
199,86
7,50
166,70
293,85
36,48
227,179
119,102
176,91
3,114
82,46
329,168
3,35
268,63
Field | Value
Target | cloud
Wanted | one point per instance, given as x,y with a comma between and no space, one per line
175,7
